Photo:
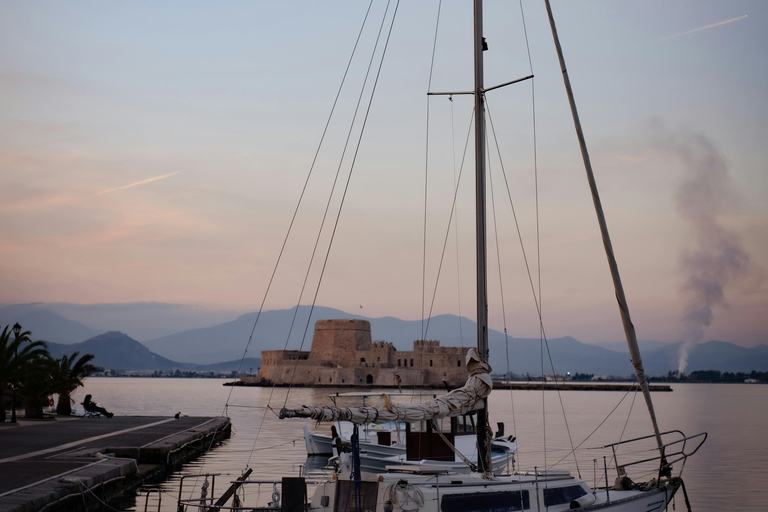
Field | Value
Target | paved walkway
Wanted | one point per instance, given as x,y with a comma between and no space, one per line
43,453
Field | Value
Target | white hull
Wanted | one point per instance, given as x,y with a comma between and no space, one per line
320,444
465,493
501,461
375,458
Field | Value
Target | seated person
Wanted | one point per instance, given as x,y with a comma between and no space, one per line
90,406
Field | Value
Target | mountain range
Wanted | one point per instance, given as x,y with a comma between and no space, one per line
223,344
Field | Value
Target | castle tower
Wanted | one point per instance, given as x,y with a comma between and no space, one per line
340,340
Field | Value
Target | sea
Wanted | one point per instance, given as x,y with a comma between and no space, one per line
728,472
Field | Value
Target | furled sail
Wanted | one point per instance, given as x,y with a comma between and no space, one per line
458,402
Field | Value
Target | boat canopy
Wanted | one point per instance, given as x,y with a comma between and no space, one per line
458,402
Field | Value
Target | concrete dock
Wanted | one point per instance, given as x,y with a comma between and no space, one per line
75,463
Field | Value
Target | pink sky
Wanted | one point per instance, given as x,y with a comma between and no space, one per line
146,156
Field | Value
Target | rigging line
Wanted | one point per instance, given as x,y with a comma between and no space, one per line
536,298
597,427
420,371
293,218
303,190
295,213
456,224
450,219
501,280
426,175
351,169
525,258
535,162
545,342
329,202
629,414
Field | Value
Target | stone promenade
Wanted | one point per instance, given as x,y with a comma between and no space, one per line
65,463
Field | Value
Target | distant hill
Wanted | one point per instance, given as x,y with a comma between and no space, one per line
645,345
206,347
140,320
567,354
45,324
117,351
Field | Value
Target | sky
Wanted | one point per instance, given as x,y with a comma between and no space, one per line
157,151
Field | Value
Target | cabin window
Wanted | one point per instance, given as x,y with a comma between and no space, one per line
411,362
470,502
559,495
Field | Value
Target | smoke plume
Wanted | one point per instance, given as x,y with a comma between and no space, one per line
715,257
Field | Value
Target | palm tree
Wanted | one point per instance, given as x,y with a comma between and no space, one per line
36,384
15,353
68,374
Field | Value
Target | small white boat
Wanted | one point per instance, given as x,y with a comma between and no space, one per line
454,450
386,439
401,444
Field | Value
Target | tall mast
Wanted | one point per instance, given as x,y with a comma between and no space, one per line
629,328
483,458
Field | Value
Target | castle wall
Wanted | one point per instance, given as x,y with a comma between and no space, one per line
343,354
339,340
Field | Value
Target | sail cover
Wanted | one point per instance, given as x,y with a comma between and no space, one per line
456,403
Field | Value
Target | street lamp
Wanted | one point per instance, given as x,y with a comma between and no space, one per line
16,331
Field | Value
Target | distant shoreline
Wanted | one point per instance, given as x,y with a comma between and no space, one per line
546,386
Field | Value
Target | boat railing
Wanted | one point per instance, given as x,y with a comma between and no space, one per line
672,451
202,496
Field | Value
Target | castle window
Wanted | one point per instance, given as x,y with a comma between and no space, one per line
369,379
378,359
398,362
362,359
330,379
458,363
411,362
430,362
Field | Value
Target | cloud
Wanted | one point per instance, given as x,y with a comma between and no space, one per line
142,182
702,28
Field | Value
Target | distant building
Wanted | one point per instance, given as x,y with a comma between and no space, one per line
343,354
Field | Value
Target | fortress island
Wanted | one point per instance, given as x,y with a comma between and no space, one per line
343,354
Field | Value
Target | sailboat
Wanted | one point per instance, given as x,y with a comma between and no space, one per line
436,489
480,490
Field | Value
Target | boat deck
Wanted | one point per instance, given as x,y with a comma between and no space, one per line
49,463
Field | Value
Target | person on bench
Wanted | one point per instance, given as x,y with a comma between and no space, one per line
90,406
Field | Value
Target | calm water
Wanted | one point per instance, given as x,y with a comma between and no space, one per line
730,472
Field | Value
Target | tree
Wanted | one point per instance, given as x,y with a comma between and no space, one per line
68,374
15,353
36,382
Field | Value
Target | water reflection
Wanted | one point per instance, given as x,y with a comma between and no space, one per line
728,473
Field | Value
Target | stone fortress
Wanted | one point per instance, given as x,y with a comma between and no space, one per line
343,354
